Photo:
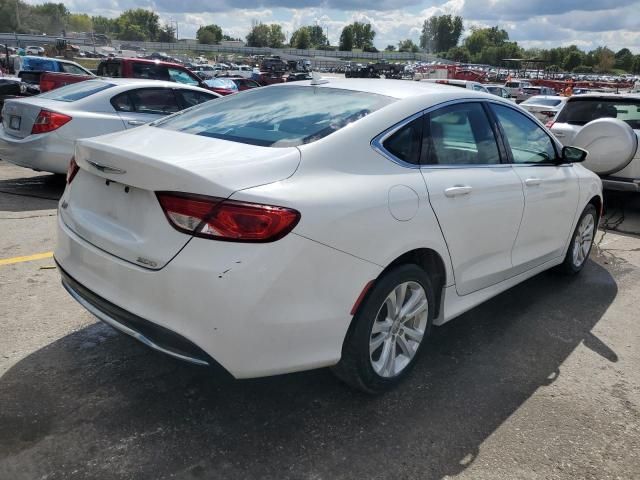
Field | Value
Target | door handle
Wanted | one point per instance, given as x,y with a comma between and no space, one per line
532,182
559,135
457,190
136,123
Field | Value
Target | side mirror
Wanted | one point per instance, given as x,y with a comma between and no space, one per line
573,154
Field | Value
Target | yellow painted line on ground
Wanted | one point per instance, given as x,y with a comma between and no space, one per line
26,258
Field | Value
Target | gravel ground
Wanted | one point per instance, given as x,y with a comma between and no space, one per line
541,382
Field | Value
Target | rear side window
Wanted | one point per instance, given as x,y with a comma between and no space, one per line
584,110
110,69
192,97
461,135
76,91
278,116
405,143
153,101
150,71
69,68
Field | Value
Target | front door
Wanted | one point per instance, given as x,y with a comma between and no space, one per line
551,191
477,199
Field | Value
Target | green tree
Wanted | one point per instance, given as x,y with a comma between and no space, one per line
209,34
441,33
258,36
315,34
301,39
138,25
346,39
103,25
491,46
572,60
390,48
167,34
458,54
605,59
407,46
79,22
624,59
276,36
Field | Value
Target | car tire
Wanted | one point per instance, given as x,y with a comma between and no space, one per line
581,242
377,335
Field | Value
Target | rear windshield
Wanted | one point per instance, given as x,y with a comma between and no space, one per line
76,91
548,102
277,116
581,111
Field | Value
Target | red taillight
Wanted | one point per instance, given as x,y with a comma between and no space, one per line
549,124
72,170
48,121
229,220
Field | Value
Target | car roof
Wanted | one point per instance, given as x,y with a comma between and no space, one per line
608,95
399,89
143,82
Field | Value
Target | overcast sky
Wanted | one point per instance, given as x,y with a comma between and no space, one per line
533,23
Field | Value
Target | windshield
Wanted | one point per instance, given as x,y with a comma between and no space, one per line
583,110
547,102
221,83
277,116
76,91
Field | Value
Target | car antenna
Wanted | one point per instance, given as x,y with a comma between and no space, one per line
317,79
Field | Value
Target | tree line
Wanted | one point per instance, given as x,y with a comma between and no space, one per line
441,35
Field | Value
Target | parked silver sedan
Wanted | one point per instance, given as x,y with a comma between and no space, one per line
544,107
39,132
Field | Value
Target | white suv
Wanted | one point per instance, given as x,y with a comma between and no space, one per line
608,126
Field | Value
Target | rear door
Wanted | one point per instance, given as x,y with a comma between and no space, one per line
551,191
477,198
144,105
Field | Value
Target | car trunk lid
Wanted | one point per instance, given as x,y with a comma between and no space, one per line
18,116
112,201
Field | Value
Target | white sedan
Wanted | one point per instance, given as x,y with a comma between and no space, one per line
544,107
39,132
322,223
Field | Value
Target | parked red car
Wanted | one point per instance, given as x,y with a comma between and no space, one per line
127,68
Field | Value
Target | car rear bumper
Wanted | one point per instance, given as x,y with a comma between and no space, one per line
621,184
47,152
257,310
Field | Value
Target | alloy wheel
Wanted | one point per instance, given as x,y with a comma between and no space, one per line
583,239
398,329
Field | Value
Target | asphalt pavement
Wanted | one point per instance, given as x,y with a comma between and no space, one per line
542,382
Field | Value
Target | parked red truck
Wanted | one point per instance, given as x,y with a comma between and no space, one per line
126,68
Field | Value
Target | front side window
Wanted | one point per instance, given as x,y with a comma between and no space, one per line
405,143
150,71
285,116
461,134
529,143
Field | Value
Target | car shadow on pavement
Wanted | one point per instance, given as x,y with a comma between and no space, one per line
102,406
40,192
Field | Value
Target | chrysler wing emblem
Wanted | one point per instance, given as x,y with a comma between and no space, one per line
106,168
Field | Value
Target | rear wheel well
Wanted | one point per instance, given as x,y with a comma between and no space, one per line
431,262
